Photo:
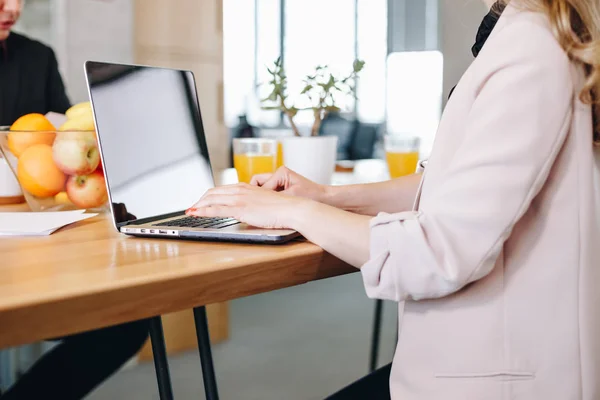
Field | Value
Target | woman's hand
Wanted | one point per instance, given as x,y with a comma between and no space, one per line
289,182
253,205
367,199
343,234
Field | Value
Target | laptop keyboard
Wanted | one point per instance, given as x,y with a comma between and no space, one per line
197,222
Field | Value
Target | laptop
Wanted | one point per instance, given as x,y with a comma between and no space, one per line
154,154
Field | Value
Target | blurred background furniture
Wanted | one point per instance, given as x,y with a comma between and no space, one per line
356,139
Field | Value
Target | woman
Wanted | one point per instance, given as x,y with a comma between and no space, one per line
497,263
30,82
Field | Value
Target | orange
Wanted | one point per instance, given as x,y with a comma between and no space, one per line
62,198
37,172
32,122
28,130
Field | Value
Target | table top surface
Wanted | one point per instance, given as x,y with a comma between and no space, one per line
87,275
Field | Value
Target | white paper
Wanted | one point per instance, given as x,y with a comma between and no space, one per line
38,223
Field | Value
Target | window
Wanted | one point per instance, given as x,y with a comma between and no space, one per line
315,32
319,32
238,57
372,47
268,48
414,95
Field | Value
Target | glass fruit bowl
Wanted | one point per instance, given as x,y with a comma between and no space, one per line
56,169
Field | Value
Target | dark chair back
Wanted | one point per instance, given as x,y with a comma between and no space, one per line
336,125
363,141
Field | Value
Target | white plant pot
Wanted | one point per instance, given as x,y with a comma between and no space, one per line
312,157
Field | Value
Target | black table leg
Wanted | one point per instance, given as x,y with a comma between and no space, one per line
376,334
161,365
208,369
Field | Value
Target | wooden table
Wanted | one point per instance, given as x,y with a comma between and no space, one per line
87,276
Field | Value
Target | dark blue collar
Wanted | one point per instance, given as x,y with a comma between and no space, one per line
485,30
487,26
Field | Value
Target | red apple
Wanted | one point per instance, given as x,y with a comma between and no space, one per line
76,153
87,191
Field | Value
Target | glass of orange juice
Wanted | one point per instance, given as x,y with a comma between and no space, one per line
253,156
402,153
279,161
277,135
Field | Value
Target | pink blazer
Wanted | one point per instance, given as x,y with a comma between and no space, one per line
497,269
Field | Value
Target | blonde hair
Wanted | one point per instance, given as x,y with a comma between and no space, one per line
576,25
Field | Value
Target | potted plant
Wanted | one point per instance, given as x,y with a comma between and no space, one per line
311,155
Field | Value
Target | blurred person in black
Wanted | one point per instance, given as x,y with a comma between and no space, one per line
29,78
30,82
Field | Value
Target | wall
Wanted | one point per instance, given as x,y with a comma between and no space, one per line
90,29
189,36
36,21
458,26
413,25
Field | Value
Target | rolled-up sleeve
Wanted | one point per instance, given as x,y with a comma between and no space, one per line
513,134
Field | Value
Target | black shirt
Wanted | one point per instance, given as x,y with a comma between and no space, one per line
29,79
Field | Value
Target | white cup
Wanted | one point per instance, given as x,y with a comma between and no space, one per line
9,186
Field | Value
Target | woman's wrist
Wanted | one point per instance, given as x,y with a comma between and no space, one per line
329,195
300,213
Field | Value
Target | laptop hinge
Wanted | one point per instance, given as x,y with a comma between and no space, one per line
150,219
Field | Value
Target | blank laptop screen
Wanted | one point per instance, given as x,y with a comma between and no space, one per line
151,136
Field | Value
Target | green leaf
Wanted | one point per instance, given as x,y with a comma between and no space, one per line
330,83
306,89
358,65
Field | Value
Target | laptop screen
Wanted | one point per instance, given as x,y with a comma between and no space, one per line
152,141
